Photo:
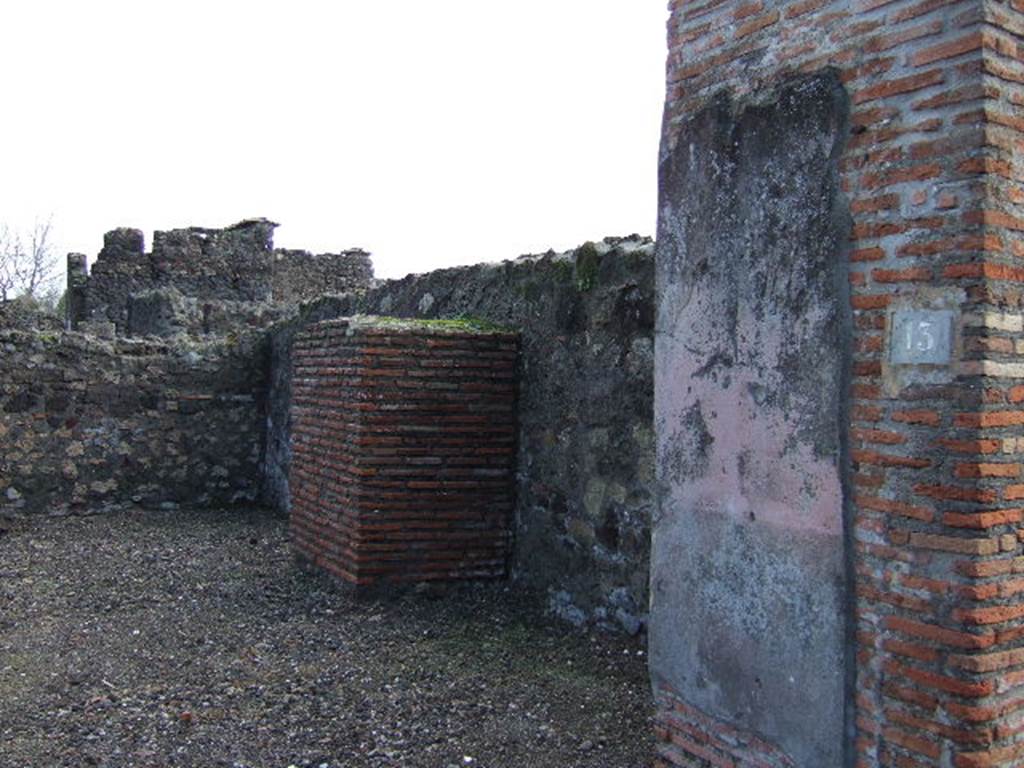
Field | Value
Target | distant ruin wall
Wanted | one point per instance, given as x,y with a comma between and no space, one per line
87,423
233,272
586,447
25,313
300,275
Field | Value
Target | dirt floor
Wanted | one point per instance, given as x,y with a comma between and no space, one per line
193,639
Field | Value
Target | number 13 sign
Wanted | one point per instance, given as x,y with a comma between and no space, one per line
921,337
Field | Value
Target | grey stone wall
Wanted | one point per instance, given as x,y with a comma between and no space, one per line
25,313
88,423
300,275
232,275
121,269
586,445
75,310
167,312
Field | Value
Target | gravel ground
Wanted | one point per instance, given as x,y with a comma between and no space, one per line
193,639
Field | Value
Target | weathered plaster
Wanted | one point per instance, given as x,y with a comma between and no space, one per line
748,565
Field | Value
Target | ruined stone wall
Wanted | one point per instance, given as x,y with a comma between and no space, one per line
87,423
24,313
300,275
917,131
121,270
585,444
166,312
404,450
231,275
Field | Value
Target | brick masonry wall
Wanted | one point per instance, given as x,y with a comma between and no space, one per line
584,483
931,170
404,451
87,423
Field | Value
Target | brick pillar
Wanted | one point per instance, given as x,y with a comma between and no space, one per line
839,384
403,446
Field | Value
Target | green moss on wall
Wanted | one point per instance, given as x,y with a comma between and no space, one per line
458,323
588,262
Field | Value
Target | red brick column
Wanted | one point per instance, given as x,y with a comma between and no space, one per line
932,170
404,450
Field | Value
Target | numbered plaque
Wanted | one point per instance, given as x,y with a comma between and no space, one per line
921,337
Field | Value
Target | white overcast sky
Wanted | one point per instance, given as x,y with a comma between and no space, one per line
430,133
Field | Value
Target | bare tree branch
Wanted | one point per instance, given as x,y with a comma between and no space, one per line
10,250
28,272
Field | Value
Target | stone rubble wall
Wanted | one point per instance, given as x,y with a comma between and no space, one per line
25,314
234,274
166,312
299,275
584,484
176,418
88,423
